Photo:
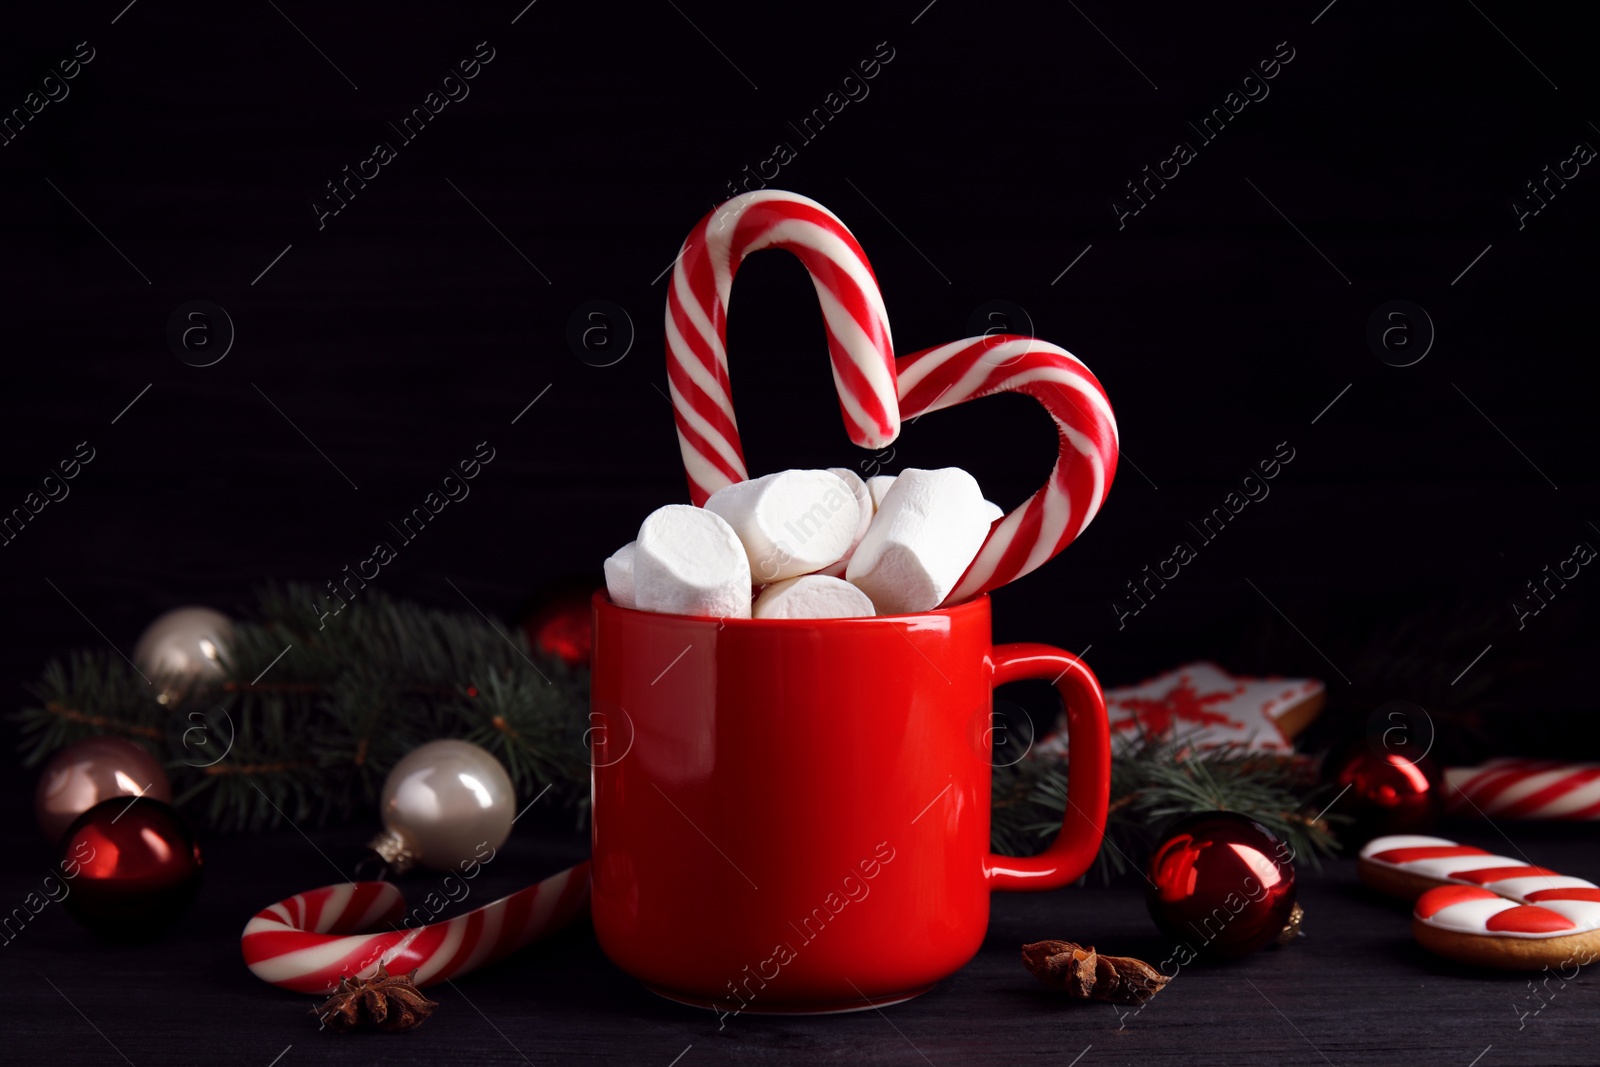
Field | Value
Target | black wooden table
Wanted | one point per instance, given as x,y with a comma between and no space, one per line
1354,990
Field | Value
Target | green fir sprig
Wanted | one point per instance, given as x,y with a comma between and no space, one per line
1154,781
308,721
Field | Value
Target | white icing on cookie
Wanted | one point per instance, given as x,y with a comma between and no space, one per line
1444,868
1586,913
1470,916
1205,707
1519,888
1384,844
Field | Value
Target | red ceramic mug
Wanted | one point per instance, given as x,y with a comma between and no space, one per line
792,815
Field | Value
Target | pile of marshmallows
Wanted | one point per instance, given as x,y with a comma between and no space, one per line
807,544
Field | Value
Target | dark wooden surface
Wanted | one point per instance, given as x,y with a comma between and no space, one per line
1355,990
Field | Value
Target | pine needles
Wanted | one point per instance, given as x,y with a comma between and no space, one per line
308,722
1153,782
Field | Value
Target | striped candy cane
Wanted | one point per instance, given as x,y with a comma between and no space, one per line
1526,789
697,325
1085,465
310,941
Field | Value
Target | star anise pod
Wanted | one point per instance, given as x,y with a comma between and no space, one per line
382,1002
1084,974
1062,965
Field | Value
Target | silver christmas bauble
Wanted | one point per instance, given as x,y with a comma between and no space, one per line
183,647
92,770
442,804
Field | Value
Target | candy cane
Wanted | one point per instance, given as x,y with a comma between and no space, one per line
297,943
952,374
697,325
1527,789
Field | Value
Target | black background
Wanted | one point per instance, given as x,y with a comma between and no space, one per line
982,163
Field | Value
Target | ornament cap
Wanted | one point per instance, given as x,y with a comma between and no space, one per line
395,849
1291,927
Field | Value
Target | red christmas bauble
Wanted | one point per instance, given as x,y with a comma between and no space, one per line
133,867
1222,884
1388,793
560,626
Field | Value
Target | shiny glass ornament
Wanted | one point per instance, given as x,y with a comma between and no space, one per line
1384,792
132,865
87,772
183,647
1222,884
446,803
560,625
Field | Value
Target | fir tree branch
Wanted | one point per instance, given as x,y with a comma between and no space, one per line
314,741
102,723
1154,782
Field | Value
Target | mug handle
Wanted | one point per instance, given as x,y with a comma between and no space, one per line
1083,823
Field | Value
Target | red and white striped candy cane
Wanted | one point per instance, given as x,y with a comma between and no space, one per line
1085,464
310,941
697,327
1518,788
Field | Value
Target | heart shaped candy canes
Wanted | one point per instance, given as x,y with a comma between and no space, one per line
1086,463
697,326
310,941
875,389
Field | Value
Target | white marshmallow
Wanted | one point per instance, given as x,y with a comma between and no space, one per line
867,508
877,485
929,526
688,561
812,596
619,575
864,501
791,523
993,511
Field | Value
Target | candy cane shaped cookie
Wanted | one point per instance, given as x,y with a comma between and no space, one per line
309,941
697,323
1475,925
1488,910
1086,462
1407,865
